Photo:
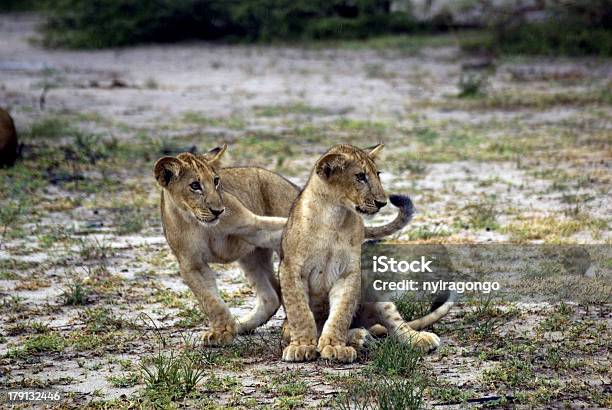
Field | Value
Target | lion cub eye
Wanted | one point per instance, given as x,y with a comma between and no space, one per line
361,177
216,180
195,185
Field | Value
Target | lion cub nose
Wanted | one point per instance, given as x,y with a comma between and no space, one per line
380,204
217,212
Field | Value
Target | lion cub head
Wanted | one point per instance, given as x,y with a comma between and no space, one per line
353,175
193,183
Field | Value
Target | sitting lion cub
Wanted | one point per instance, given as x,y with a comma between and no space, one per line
212,214
320,272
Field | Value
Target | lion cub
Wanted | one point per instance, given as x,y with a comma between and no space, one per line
214,214
320,270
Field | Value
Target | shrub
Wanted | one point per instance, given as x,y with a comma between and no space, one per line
556,37
574,28
359,28
108,23
20,5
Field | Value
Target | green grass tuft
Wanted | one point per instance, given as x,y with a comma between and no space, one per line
171,375
75,294
297,108
124,380
482,215
51,127
391,357
51,342
472,85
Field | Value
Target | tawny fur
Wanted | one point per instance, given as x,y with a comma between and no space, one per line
255,204
240,233
320,271
8,139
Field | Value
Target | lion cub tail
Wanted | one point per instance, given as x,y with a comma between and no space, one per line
404,215
435,315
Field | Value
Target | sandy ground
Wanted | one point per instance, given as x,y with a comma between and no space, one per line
528,162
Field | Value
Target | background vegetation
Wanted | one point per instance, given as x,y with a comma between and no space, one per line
106,23
578,27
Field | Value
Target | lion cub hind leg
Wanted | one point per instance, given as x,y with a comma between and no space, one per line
359,338
257,267
378,330
387,314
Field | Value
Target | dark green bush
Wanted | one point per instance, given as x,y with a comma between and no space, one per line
554,38
574,28
107,23
20,5
359,27
275,19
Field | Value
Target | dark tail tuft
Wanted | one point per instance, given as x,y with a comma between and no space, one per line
404,214
404,203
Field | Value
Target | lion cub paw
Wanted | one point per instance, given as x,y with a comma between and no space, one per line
334,350
342,354
296,352
425,341
218,337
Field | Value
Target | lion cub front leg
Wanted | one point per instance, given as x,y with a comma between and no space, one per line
223,326
301,322
260,231
343,301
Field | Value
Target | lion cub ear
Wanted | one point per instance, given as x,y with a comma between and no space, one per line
375,150
214,156
330,164
166,170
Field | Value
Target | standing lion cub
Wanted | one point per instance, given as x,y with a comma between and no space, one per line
221,215
320,271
